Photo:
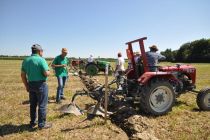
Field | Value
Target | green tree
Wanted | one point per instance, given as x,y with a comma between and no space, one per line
169,54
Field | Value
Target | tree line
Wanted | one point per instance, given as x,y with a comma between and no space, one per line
15,57
197,51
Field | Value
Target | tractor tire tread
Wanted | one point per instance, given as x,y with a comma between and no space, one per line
200,98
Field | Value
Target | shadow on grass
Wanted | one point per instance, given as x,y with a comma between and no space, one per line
26,102
87,106
179,103
82,127
196,110
8,129
50,100
63,115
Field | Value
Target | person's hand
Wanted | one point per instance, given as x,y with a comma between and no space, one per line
64,65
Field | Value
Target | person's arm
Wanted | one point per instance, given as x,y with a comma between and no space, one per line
24,79
59,66
55,65
46,73
46,70
161,57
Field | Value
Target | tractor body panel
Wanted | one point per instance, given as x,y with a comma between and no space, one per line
130,54
102,65
130,73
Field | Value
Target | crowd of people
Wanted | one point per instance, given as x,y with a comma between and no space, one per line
35,72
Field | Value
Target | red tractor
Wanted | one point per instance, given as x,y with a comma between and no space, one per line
157,91
153,92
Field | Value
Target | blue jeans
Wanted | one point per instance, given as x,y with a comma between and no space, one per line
61,85
153,68
38,95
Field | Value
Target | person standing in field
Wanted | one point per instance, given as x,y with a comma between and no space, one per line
120,65
119,70
60,64
34,73
153,57
91,59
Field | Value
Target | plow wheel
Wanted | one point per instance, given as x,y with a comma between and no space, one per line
203,99
91,69
157,98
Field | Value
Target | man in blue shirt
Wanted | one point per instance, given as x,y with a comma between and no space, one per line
153,57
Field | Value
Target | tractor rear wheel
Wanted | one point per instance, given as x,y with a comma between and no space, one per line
91,69
203,99
157,98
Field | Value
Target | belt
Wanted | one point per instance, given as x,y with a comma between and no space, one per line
41,81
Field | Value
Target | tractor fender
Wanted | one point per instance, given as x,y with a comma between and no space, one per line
147,76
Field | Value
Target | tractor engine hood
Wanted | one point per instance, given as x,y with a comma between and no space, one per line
178,67
188,70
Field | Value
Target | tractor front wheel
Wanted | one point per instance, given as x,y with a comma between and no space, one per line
157,98
203,99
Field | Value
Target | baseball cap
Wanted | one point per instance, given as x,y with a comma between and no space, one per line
36,47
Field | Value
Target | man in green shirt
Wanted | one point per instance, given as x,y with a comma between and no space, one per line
60,64
34,73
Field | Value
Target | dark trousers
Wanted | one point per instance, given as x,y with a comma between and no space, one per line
38,96
61,85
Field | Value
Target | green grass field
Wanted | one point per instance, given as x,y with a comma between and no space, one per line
184,122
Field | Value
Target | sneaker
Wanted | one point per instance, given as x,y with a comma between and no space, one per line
63,98
46,126
119,88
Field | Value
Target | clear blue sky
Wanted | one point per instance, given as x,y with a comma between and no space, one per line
99,27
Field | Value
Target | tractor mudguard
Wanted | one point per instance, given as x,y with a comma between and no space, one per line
149,75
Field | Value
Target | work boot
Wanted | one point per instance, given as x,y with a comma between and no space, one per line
58,102
46,126
32,125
